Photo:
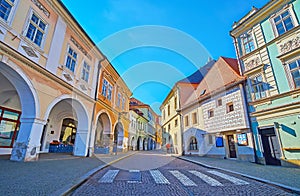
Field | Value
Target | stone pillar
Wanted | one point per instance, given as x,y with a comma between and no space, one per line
27,145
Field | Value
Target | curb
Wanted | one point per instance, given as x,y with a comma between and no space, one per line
285,187
88,175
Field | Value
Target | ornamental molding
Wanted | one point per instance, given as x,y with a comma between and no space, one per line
80,48
289,45
41,7
252,63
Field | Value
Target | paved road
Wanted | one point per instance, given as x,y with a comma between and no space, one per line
152,173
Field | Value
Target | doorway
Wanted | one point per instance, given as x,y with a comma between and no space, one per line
271,148
231,146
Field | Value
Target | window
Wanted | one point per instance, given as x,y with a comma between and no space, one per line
193,144
194,117
186,121
175,103
258,87
5,8
123,103
109,92
36,29
210,113
219,102
283,22
85,72
230,107
169,127
294,68
119,100
9,126
176,122
104,87
168,110
71,59
247,42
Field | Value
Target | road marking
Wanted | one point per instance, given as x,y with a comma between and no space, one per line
183,178
109,176
206,178
230,178
158,177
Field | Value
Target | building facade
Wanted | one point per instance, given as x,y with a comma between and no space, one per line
171,119
215,116
111,112
148,120
267,46
49,74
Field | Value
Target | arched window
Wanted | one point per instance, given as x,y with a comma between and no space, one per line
193,144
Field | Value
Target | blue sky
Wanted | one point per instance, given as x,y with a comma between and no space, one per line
154,43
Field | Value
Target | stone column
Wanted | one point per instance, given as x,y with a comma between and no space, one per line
27,145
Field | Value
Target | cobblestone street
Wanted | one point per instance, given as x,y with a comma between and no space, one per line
169,176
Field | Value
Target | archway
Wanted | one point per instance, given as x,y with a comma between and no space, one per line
145,144
139,143
102,141
119,135
19,102
133,143
66,115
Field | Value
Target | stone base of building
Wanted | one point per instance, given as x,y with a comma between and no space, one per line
291,163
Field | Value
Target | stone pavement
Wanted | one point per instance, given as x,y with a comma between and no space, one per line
52,174
285,177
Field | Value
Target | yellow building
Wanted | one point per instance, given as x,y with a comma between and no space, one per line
49,70
111,112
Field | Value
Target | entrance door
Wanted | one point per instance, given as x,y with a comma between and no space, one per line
270,146
231,146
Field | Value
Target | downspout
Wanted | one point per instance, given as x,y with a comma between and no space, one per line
245,96
94,106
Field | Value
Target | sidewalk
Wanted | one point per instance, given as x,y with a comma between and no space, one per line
52,174
285,177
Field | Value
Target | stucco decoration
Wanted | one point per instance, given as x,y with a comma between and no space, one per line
41,7
290,45
252,63
29,51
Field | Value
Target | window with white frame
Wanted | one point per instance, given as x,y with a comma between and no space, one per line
283,22
85,72
71,59
294,68
109,92
119,100
104,87
36,29
247,42
258,87
123,103
6,7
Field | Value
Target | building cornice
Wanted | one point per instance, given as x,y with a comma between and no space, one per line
264,12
